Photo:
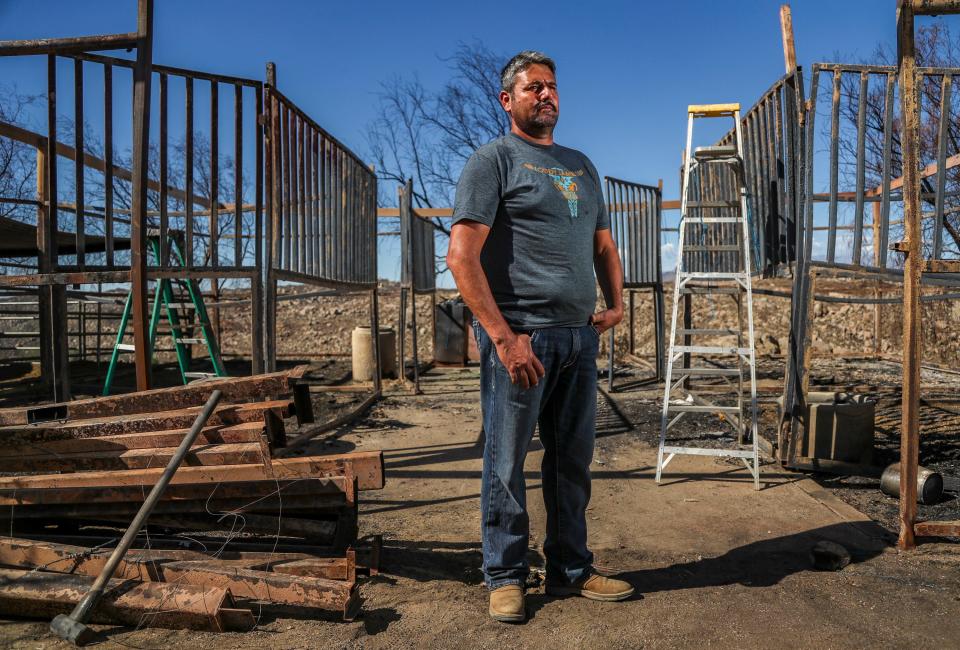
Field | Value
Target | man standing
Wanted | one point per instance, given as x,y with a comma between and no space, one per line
530,227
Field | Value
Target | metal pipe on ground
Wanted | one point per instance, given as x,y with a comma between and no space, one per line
73,627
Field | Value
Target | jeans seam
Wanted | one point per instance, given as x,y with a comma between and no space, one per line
556,482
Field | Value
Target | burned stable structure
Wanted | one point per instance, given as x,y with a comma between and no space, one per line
236,189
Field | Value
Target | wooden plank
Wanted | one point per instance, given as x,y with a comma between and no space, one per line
159,399
366,466
248,490
38,594
937,529
786,31
270,414
940,266
305,591
148,440
138,458
331,568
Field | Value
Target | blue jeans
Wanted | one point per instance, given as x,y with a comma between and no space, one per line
564,404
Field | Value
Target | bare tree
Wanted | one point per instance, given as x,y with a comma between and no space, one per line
936,47
428,135
17,160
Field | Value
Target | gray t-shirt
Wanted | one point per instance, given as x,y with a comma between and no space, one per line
543,204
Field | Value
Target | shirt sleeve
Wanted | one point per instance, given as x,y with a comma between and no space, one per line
478,191
603,218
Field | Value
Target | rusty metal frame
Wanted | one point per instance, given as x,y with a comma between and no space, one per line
417,276
635,212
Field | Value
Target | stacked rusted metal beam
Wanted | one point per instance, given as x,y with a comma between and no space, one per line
236,525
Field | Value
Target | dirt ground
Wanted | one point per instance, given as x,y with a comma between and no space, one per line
715,563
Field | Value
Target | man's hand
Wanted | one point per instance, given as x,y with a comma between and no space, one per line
518,358
606,319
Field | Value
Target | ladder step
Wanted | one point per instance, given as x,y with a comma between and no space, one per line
126,347
708,332
199,375
715,275
710,349
713,204
731,248
696,408
706,451
731,291
696,221
707,372
189,341
715,152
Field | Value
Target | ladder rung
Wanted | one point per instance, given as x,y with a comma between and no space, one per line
696,221
706,451
731,248
199,375
189,341
726,331
710,349
717,275
713,204
706,372
126,347
697,408
732,291
726,151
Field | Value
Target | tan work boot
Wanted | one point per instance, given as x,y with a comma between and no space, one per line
594,587
506,604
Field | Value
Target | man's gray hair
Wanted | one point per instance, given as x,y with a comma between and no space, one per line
519,63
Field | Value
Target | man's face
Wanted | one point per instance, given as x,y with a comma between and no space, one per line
534,104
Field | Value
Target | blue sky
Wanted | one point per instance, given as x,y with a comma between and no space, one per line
627,70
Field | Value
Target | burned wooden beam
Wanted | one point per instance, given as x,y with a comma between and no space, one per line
137,458
159,399
76,44
271,414
366,466
303,591
177,491
37,594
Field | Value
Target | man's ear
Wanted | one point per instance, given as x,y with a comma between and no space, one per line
505,100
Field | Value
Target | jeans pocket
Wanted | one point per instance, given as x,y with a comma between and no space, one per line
595,330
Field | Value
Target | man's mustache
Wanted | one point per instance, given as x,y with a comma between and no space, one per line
545,104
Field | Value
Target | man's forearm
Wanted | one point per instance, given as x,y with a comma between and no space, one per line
473,286
610,278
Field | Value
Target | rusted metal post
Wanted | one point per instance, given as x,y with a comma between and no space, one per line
52,301
138,218
910,424
272,225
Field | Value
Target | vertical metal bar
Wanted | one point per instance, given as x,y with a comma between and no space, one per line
164,170
834,166
238,175
108,162
138,217
301,196
910,424
260,164
887,171
287,120
324,206
308,199
78,126
317,269
188,172
858,214
942,136
214,176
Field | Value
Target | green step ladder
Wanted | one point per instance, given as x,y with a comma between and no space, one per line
165,295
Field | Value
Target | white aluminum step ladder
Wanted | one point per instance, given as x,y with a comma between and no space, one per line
713,258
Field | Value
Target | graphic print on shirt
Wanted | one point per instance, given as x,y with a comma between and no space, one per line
563,181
